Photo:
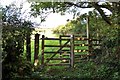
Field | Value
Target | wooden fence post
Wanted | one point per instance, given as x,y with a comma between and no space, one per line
28,47
42,59
90,46
60,37
72,51
89,42
36,49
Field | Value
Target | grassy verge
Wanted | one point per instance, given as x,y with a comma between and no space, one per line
84,70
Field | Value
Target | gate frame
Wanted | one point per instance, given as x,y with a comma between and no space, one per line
72,47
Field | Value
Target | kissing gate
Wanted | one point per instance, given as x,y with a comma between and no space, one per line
66,50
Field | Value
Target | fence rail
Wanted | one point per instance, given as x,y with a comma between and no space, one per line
68,50
71,43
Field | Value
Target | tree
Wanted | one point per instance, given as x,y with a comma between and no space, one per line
62,7
13,36
109,31
77,26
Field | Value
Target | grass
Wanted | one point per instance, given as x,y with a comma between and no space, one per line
83,70
51,42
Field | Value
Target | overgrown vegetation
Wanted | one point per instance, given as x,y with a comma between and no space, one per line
83,70
105,66
13,35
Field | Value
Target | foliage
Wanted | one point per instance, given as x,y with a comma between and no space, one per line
76,26
82,70
42,7
13,36
106,66
72,7
107,33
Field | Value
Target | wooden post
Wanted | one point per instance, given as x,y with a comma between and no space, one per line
36,49
89,37
72,51
88,34
60,45
42,59
28,47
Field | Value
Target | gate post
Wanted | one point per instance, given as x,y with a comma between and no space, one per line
89,42
28,47
36,49
42,54
60,42
72,51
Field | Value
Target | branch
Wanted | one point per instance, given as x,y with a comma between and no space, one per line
101,13
107,7
78,4
93,5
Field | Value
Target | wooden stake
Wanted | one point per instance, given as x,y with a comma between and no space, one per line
36,49
42,59
60,45
28,47
89,42
72,51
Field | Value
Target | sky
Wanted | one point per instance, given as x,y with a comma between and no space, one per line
53,19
